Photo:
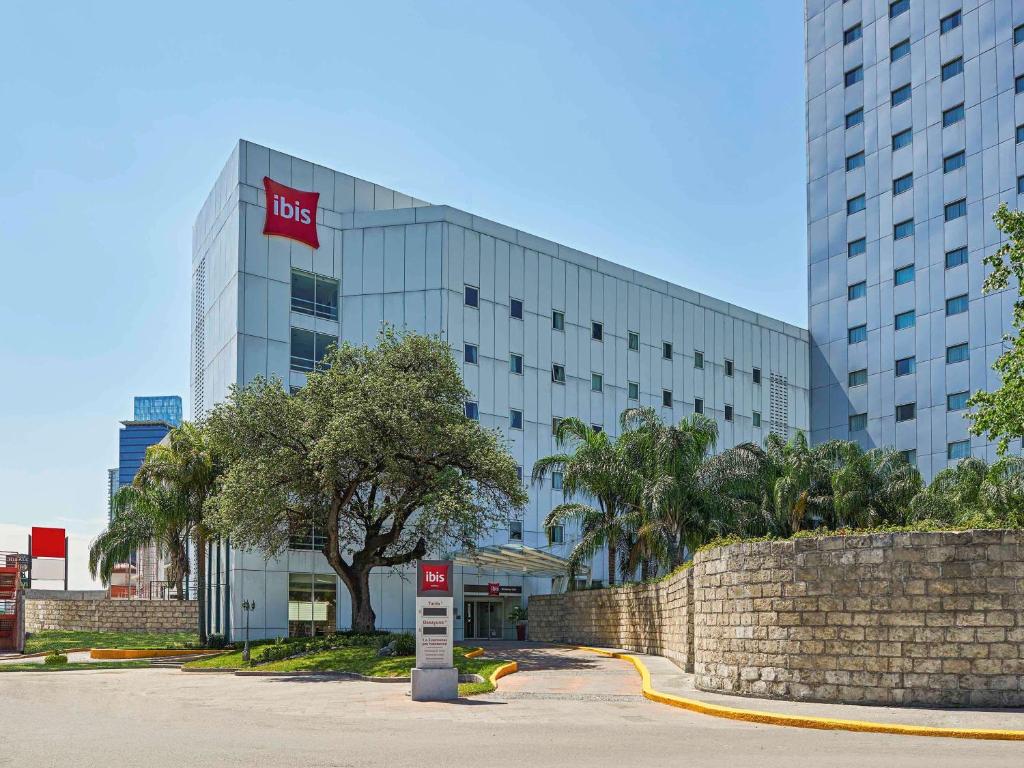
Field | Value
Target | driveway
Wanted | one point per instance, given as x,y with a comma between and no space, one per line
564,709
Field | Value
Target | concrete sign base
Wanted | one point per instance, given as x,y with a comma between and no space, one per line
437,684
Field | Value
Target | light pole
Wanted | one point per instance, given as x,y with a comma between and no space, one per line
248,606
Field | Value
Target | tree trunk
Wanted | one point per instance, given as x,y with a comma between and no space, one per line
612,561
363,617
201,586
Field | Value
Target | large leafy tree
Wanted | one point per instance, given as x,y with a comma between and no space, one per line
595,468
675,515
140,516
375,450
999,414
868,487
186,463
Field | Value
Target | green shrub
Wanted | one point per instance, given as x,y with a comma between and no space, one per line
405,644
55,659
216,642
286,648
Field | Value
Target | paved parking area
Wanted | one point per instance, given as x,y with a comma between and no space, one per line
564,709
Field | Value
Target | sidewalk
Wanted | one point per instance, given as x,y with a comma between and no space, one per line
667,678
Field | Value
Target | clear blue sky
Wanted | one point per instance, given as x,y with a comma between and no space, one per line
664,135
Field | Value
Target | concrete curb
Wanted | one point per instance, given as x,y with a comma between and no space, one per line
798,721
147,653
37,654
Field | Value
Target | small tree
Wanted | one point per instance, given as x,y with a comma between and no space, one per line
376,451
1000,414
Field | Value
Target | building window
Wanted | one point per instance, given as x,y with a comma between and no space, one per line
854,118
698,360
906,366
853,34
949,23
634,341
954,161
556,422
598,429
756,374
855,205
952,68
901,95
910,456
515,419
472,296
854,161
666,398
904,275
633,390
854,76
307,537
957,353
515,364
857,290
896,7
903,229
558,373
1018,84
902,139
858,422
899,50
857,334
556,481
903,184
956,210
1018,34
471,354
1020,134
856,247
1020,185
558,320
957,305
952,115
597,331
728,367
472,410
906,412
309,349
857,378
956,257
515,530
312,604
757,419
666,350
728,412
314,295
596,382
698,405
555,535
957,401
519,473
961,449
905,320
515,310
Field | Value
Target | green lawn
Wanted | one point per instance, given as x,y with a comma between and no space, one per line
362,660
54,640
74,666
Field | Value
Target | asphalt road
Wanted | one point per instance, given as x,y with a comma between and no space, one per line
563,709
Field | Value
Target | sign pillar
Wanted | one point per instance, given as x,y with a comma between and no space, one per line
435,678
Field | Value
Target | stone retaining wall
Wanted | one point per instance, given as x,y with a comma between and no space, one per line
646,618
57,611
892,619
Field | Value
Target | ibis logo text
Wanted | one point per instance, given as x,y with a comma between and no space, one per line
291,213
434,578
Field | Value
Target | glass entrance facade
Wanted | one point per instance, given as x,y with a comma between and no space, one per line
312,604
484,619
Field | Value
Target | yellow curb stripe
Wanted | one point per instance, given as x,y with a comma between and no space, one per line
800,721
504,669
474,653
143,653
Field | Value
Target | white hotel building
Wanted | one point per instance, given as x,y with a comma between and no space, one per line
545,332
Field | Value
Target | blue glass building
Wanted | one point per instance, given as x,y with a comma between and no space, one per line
159,408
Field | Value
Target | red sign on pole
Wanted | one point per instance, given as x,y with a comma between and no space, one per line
48,542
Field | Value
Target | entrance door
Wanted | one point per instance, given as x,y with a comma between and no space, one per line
484,619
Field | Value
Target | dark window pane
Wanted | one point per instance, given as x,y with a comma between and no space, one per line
303,292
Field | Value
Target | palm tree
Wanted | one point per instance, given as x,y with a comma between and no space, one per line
971,493
776,490
869,487
675,517
186,462
597,468
140,516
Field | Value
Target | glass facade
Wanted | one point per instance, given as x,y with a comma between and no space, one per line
312,604
159,408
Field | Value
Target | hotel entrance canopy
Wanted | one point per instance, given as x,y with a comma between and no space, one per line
515,558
